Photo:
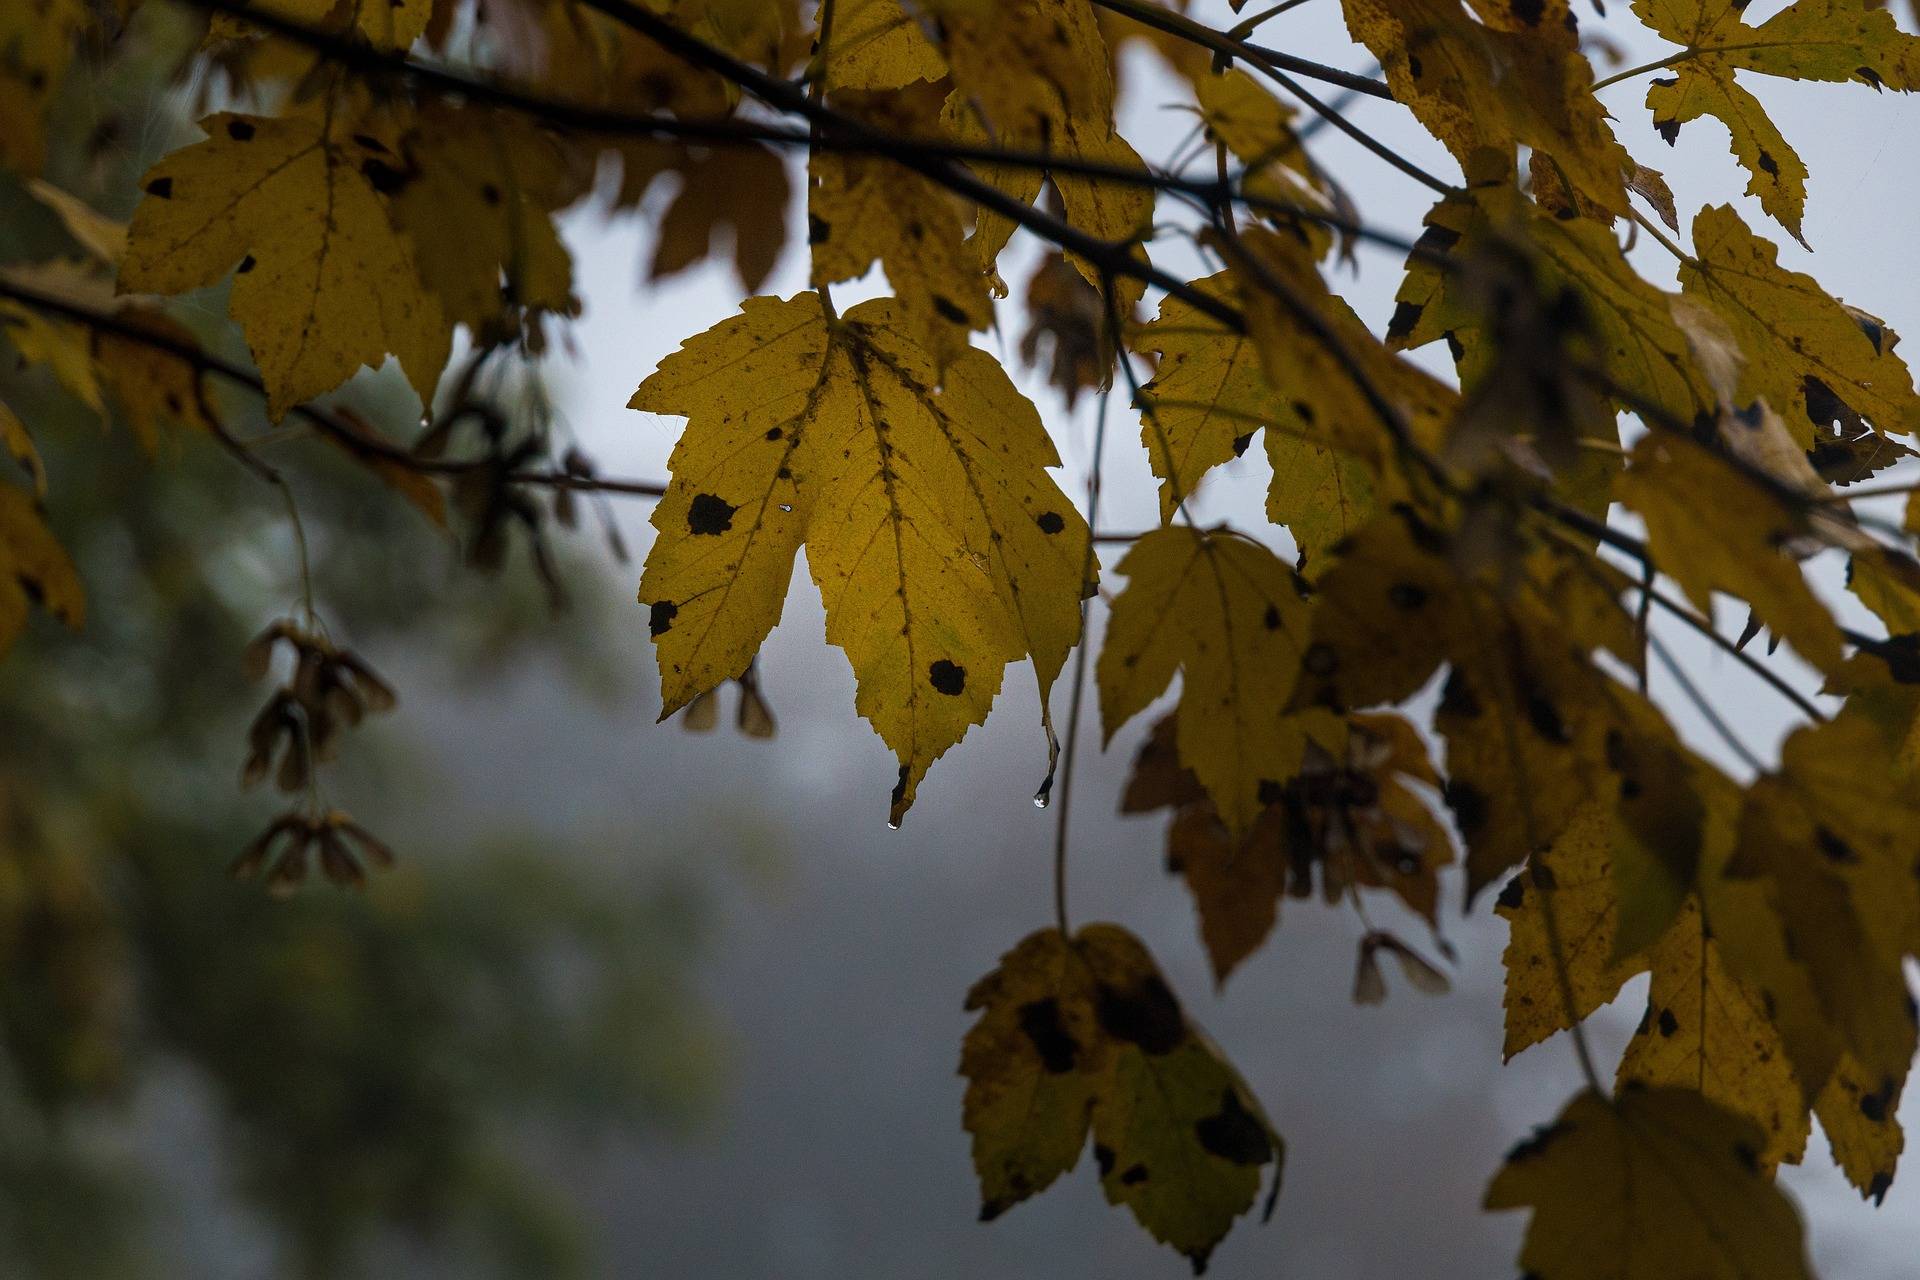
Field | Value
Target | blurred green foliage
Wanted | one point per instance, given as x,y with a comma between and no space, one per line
196,1080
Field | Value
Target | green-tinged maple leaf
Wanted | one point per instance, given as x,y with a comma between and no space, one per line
1033,1064
295,205
34,569
1654,1184
1085,1035
1832,40
1230,616
940,544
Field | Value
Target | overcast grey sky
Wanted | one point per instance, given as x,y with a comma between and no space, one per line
839,976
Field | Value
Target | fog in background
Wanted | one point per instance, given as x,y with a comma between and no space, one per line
846,948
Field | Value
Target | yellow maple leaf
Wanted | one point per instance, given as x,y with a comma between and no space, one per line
878,44
499,180
37,40
1475,84
1800,344
391,25
1655,1184
34,569
940,544
1832,40
294,205
1636,338
1735,544
1230,617
863,209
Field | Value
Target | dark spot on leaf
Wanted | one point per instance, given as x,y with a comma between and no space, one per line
660,617
1747,1156
1146,1015
1271,792
1040,1020
818,229
246,264
1134,1175
1768,164
1406,596
774,433
382,177
1668,1023
949,311
240,130
1513,895
1833,847
1240,444
1271,618
161,188
1405,317
1877,1189
1234,1133
947,677
1103,1156
1545,718
708,514
1050,522
1874,1105
490,193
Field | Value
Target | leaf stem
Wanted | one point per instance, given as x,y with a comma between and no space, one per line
1069,749
1672,59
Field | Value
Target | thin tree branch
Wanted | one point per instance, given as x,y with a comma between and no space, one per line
1149,14
340,431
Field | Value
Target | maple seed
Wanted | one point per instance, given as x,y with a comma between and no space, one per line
947,678
708,514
